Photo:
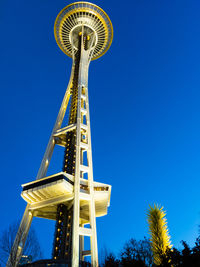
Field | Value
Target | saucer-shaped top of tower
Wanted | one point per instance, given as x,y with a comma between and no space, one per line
87,17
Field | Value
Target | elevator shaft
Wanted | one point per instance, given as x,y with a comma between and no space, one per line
62,248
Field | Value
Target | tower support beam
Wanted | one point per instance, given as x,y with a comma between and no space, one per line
20,239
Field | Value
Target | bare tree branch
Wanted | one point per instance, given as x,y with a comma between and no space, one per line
7,237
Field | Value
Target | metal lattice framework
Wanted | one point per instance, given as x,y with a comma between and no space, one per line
84,32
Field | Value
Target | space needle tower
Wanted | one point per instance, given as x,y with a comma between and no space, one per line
83,31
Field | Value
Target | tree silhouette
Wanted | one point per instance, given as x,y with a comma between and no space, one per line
187,257
137,253
111,261
7,237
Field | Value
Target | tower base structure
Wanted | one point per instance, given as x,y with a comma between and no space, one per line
54,263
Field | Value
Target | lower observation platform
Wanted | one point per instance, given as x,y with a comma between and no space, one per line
45,194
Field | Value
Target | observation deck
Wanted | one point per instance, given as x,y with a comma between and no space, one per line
45,194
79,18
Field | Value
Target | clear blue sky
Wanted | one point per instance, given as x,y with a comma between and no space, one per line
145,112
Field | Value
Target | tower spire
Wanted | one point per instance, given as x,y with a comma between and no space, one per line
84,32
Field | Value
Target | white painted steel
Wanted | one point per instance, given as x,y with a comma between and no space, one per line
85,231
92,197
